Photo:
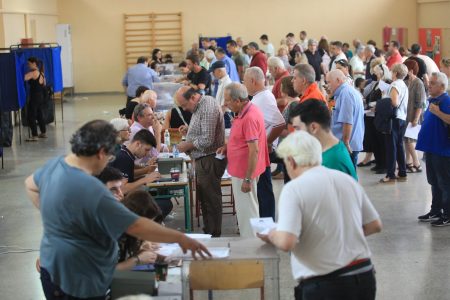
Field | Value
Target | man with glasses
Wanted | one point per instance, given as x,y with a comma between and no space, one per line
82,221
144,118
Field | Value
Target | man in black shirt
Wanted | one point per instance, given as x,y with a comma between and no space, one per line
199,78
422,73
140,146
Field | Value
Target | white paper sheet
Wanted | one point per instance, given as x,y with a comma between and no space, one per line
226,175
174,251
412,132
262,225
198,236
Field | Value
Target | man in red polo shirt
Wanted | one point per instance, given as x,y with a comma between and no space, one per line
278,71
305,84
395,57
259,59
247,154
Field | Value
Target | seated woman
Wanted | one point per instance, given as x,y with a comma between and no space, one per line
346,68
147,96
123,129
133,252
176,117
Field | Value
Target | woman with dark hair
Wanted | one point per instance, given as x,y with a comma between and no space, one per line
324,50
132,251
36,98
157,56
346,68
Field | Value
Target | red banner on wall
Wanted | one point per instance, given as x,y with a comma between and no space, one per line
430,39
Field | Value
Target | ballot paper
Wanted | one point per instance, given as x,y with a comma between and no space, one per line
198,236
174,251
412,132
262,225
226,175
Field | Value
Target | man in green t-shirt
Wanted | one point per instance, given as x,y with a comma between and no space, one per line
313,116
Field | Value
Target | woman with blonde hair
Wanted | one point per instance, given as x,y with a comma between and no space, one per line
148,96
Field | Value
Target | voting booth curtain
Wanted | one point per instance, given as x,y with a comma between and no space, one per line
13,89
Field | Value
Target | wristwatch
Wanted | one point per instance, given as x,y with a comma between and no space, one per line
247,180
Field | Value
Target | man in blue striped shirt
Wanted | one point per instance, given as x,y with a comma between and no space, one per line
139,75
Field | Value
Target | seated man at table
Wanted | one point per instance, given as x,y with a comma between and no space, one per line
324,217
141,144
114,180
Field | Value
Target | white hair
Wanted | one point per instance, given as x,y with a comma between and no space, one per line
304,149
119,124
441,78
371,48
237,90
383,70
337,75
255,73
209,54
275,62
360,49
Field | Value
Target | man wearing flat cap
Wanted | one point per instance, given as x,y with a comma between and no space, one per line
219,71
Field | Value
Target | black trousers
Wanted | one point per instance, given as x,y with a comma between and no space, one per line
54,292
354,287
395,151
36,114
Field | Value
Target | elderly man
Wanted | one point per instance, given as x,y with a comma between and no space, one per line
274,124
144,118
238,58
205,134
357,63
247,154
336,54
194,50
369,53
348,113
394,55
259,59
313,218
199,78
139,75
314,117
314,57
434,141
210,58
230,66
219,71
304,83
278,72
82,220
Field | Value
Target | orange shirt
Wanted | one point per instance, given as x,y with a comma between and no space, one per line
313,92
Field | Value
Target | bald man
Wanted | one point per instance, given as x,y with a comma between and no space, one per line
348,114
205,134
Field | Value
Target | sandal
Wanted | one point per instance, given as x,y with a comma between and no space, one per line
418,168
410,168
365,164
387,180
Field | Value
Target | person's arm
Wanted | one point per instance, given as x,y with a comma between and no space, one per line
157,131
372,227
417,114
434,109
32,191
284,241
166,124
346,134
144,257
252,161
141,171
275,133
131,186
394,97
147,230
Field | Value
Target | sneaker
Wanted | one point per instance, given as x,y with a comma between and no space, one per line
429,217
443,221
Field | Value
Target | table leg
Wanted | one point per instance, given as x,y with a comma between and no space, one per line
187,210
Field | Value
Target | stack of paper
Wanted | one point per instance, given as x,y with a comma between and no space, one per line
173,251
262,225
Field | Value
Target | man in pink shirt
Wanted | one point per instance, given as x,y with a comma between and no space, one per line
395,57
247,154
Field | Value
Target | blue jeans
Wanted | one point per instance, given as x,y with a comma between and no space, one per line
354,158
438,176
266,197
395,152
354,287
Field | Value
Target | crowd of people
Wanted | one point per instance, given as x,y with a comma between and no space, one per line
310,108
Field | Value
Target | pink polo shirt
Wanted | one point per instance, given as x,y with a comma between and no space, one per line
248,126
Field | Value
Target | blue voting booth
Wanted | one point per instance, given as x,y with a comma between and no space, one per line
13,89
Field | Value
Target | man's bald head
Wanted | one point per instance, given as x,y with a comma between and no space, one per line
180,92
335,79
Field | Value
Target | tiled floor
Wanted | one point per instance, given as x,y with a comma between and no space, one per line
412,259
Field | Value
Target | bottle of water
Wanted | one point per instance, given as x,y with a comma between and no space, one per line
167,138
175,151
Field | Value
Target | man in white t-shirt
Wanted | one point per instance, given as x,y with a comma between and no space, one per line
274,123
357,63
324,216
266,46
336,53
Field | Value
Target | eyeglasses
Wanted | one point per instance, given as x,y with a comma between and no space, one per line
127,130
